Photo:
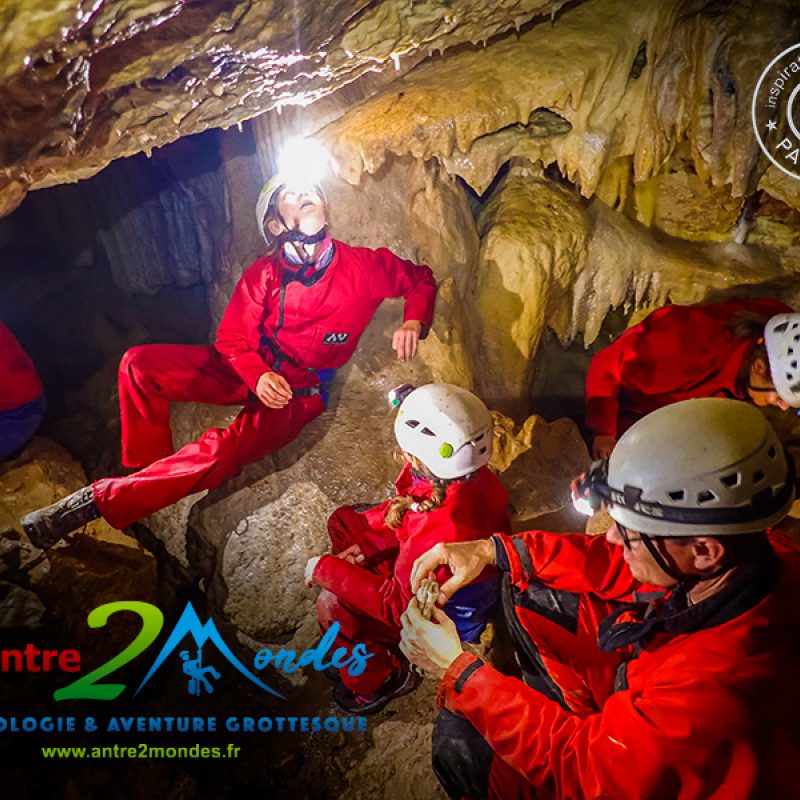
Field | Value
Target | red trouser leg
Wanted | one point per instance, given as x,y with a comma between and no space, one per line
379,546
204,464
356,628
151,376
346,527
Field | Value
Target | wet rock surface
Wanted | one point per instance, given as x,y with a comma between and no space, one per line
81,87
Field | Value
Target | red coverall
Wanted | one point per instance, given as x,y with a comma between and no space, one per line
22,403
367,601
19,381
675,353
708,714
274,321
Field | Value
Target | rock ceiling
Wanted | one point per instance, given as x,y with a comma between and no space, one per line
589,86
83,82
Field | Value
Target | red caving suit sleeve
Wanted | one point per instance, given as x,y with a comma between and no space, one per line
397,277
683,733
471,511
570,562
675,349
239,332
677,738
19,381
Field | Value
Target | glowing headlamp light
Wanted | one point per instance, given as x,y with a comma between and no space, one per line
583,505
587,499
396,396
302,163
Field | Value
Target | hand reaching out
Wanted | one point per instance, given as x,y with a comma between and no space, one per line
466,561
433,646
406,338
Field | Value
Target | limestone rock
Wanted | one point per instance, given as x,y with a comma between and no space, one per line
44,473
163,69
534,239
536,463
578,68
397,767
19,608
685,206
627,266
90,568
264,560
447,239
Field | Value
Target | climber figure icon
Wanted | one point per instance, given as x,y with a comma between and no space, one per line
197,673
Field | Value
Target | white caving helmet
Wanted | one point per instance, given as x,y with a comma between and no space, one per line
447,428
301,163
710,466
782,340
266,205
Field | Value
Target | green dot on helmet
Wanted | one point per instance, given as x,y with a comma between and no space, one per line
446,450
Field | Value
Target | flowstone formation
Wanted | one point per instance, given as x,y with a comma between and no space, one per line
635,178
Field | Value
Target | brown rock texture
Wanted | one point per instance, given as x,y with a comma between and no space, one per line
84,83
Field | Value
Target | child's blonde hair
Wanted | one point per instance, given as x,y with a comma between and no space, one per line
400,505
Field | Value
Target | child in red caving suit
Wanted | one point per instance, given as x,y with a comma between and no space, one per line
445,493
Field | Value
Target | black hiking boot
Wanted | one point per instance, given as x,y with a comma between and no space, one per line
402,681
46,526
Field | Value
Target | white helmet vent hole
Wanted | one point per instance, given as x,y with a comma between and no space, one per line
797,337
412,423
706,496
478,438
758,477
427,432
482,451
772,452
734,479
676,496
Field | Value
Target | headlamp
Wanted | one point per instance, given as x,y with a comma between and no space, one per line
397,395
589,493
302,163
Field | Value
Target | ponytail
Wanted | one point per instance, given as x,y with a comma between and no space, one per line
399,506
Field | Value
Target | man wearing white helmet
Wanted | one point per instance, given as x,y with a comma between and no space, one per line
681,352
444,493
660,661
294,317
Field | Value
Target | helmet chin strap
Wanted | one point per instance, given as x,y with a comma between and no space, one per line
687,580
298,236
302,242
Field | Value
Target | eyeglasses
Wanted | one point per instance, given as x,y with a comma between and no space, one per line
626,537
